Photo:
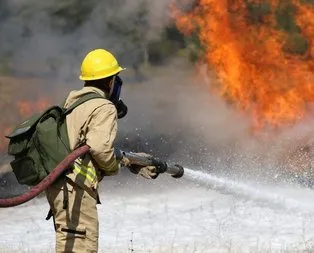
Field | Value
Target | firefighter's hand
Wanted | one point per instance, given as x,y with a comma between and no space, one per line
125,162
148,172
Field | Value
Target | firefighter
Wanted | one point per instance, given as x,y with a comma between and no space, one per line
73,197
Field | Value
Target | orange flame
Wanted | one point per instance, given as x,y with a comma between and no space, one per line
22,110
27,108
252,60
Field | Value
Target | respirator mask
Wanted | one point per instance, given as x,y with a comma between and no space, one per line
114,97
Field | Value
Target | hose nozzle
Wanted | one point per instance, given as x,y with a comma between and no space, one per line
175,170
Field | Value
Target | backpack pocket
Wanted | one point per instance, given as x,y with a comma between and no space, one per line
18,145
21,135
25,170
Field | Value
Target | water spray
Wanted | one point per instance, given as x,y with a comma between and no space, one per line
219,184
245,191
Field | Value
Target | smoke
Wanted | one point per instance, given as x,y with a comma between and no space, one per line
175,117
49,38
172,115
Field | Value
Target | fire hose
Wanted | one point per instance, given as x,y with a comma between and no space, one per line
175,171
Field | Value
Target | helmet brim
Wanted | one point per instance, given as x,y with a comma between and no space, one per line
92,78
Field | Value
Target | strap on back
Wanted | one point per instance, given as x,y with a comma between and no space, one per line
83,99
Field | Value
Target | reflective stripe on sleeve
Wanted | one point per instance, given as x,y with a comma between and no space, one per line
85,171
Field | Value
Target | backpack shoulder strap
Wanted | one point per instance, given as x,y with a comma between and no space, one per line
83,99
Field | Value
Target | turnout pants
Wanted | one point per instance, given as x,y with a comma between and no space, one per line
75,217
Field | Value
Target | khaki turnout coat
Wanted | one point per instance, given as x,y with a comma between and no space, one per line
94,123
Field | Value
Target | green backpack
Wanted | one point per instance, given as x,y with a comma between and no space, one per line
41,142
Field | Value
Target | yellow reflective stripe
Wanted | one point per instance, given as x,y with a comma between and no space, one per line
87,172
86,175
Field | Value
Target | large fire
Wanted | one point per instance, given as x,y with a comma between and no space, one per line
257,70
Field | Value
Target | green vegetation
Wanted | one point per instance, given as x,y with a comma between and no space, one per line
257,11
285,20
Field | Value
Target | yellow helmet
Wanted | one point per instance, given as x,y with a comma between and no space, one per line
98,64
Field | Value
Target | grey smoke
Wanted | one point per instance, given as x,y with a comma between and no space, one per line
31,34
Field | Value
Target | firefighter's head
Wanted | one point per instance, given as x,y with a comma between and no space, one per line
101,69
